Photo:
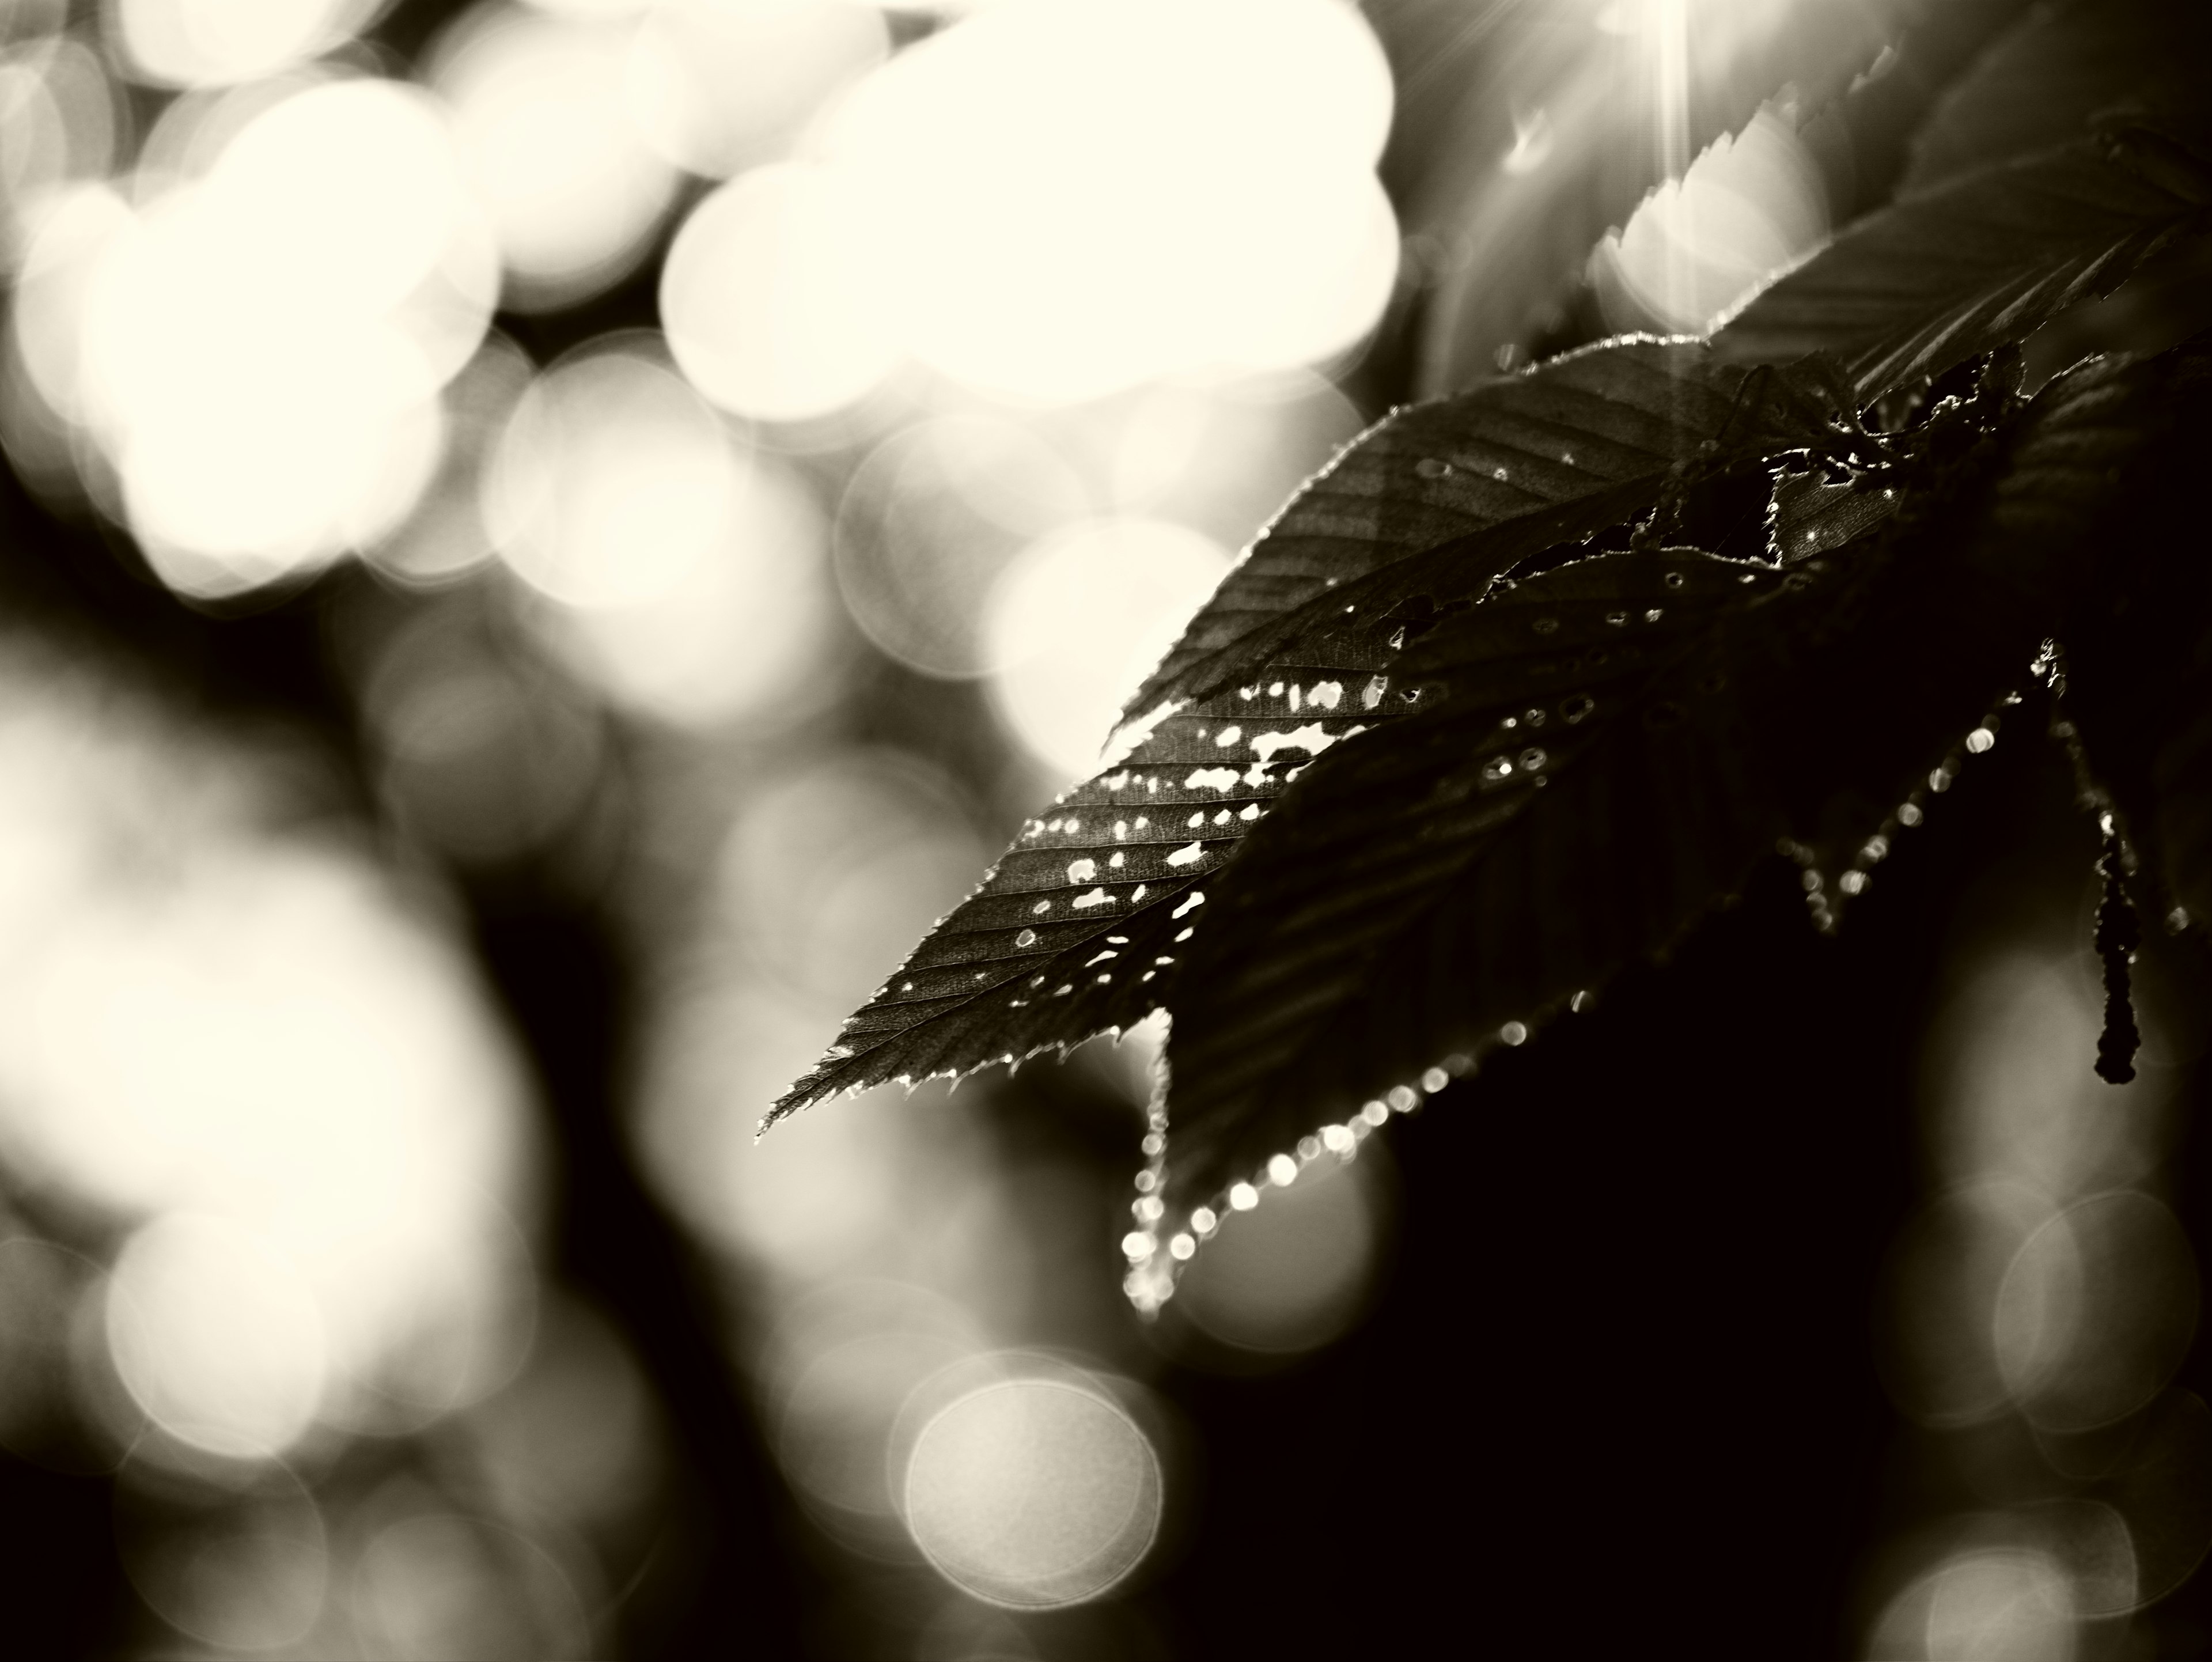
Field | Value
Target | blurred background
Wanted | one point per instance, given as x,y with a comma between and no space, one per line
543,543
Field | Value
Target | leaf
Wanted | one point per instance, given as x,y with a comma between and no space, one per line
1977,262
1074,931
1080,927
2043,83
1812,514
1672,716
1475,484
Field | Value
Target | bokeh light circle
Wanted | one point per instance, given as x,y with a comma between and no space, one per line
612,481
217,1337
715,85
1033,1493
769,295
1073,625
1296,1271
573,191
1079,195
260,350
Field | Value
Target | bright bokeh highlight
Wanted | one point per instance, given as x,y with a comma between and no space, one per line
613,481
1074,624
1061,199
772,295
715,85
250,1047
930,520
202,43
58,124
259,352
573,190
1033,1493
745,631
219,1338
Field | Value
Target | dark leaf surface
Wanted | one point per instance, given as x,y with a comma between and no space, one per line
1080,927
1978,261
2061,68
1619,741
1813,513
1442,496
1075,930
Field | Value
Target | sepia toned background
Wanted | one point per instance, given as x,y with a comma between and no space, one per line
544,544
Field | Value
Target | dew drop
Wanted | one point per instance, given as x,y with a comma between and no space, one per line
1147,1181
1434,1080
1040,908
1535,718
1876,847
1498,767
1532,758
1980,739
1652,616
1282,1171
1852,882
1338,1139
1939,780
1497,473
2177,920
1618,620
1138,1245
1026,938
1243,1196
1375,1112
1577,707
1203,1221
1812,880
1251,812
1908,815
1510,721
1674,579
1431,467
1183,1246
1514,1032
1309,1149
1404,1099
